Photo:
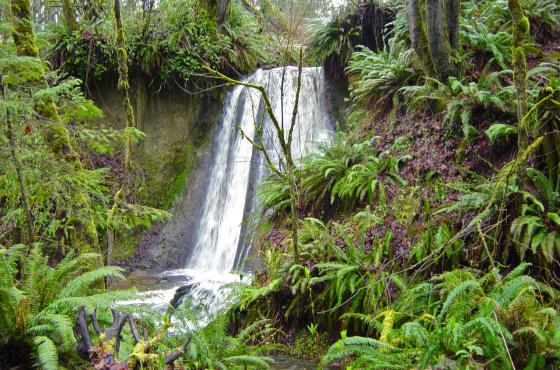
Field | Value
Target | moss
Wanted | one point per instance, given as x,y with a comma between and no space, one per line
177,185
123,69
125,243
520,34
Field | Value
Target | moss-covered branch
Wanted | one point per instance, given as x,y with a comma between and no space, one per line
124,86
520,34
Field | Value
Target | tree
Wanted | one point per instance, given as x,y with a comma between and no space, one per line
56,134
434,33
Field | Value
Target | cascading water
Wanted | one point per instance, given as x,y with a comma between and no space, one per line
220,241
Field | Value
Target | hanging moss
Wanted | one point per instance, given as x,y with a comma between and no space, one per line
123,69
124,86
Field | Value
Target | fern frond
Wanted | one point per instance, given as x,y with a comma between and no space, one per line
84,281
46,351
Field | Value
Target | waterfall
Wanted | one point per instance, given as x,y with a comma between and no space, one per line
220,243
236,168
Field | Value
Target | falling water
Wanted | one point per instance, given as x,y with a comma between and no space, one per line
237,167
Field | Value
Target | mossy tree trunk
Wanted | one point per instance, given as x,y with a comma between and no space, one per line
55,134
452,21
218,10
221,13
69,15
520,34
434,34
22,31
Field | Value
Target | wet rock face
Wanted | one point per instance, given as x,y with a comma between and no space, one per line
171,247
174,158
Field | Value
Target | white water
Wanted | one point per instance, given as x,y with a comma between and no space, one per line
236,169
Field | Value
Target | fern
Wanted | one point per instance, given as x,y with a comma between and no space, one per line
38,306
474,317
377,78
500,130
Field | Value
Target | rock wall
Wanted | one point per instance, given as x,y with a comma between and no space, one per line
174,158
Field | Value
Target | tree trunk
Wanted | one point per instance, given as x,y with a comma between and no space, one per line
22,32
434,34
221,14
452,18
438,42
415,19
69,15
217,10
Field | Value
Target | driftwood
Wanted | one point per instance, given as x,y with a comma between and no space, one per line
101,356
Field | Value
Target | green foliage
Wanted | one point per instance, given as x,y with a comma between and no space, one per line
536,228
248,46
177,38
210,345
466,320
477,37
500,130
342,174
376,78
37,301
56,188
88,54
543,15
309,345
461,100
